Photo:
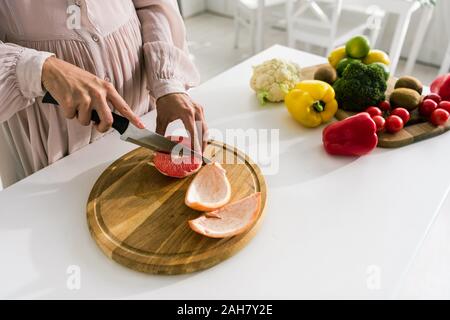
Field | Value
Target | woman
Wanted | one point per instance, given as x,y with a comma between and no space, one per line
90,54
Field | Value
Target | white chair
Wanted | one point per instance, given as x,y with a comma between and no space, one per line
403,10
446,64
422,29
319,23
250,14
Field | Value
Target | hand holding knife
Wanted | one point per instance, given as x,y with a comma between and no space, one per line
142,137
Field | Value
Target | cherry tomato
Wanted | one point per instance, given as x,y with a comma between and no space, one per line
384,106
380,122
394,124
444,105
374,111
433,96
427,107
439,117
402,113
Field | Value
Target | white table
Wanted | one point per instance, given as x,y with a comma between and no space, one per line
333,227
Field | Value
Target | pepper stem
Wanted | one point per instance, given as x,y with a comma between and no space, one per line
319,106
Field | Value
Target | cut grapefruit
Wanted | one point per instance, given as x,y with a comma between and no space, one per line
230,220
174,165
210,189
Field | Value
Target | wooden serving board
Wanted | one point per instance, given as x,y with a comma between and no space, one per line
138,217
417,130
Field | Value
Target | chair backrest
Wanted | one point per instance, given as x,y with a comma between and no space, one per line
446,63
318,13
316,21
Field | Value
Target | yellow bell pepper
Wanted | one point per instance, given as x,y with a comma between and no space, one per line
312,103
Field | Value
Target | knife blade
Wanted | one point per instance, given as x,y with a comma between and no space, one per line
141,137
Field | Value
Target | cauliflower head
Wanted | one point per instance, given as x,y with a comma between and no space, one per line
273,79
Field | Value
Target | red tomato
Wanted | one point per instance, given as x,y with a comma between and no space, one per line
433,96
427,107
384,106
380,122
439,117
444,105
374,111
394,124
402,113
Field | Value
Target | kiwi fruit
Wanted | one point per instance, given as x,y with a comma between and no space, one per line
326,74
405,98
409,83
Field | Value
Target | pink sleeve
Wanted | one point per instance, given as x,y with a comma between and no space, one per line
169,68
20,78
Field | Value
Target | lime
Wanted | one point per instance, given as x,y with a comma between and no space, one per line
377,56
336,55
358,47
384,68
342,65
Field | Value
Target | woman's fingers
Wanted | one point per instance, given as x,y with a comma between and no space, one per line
69,112
98,103
74,88
188,120
180,106
69,108
161,125
105,115
202,128
123,107
84,111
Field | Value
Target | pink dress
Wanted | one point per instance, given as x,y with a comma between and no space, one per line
138,45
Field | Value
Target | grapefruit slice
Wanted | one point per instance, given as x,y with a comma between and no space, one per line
231,220
210,189
176,166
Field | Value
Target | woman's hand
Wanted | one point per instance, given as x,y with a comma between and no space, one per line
79,92
180,106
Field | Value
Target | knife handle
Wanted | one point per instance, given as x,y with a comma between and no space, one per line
119,123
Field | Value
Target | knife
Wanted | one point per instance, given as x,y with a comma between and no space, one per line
141,137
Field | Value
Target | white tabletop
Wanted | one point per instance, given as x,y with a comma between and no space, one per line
334,227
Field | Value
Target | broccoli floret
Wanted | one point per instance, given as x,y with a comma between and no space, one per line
360,86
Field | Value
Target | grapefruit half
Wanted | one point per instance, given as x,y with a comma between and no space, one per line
210,189
230,220
174,165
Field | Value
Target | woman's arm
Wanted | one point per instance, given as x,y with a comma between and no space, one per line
167,59
20,78
79,92
170,71
25,72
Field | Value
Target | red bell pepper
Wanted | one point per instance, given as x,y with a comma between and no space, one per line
441,86
354,136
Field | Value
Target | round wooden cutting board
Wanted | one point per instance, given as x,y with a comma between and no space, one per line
138,217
